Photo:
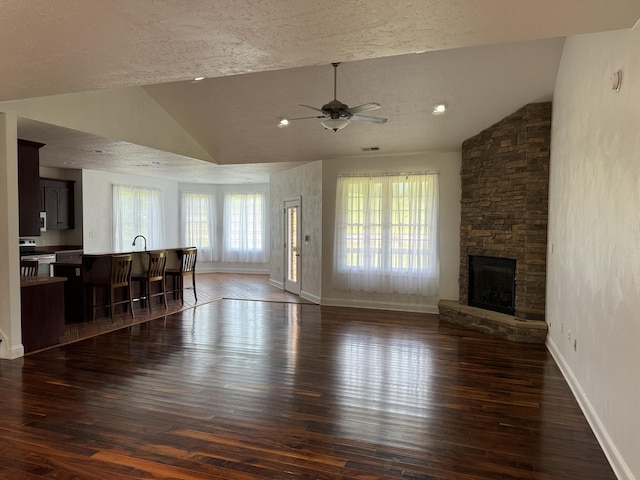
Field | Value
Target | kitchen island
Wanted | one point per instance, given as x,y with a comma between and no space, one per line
42,311
95,268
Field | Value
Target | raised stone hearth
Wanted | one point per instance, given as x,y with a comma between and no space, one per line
494,323
504,213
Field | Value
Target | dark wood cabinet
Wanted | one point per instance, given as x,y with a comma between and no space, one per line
29,187
42,313
57,200
73,290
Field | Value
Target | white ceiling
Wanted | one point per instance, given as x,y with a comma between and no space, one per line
263,58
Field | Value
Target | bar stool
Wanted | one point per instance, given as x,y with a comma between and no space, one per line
29,268
155,273
120,278
187,258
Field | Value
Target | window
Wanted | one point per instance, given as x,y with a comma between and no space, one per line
199,224
137,211
385,236
243,239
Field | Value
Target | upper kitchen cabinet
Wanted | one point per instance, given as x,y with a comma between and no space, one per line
29,187
58,201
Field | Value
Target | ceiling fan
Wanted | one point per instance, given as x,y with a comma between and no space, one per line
338,114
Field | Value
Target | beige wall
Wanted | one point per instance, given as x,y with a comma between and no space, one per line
304,182
593,265
10,327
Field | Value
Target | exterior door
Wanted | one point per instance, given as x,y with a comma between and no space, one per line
292,237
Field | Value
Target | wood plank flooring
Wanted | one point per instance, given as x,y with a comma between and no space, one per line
246,389
210,287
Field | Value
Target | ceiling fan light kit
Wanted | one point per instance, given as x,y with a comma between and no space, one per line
339,114
335,124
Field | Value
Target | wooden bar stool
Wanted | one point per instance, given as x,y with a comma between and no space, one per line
119,279
155,273
187,258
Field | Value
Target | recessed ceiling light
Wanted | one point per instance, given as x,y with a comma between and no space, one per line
283,123
197,79
439,108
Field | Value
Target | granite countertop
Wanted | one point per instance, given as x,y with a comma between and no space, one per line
57,248
35,281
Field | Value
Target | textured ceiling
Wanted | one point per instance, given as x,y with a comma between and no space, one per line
480,59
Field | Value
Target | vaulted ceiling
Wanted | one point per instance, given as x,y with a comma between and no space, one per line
131,65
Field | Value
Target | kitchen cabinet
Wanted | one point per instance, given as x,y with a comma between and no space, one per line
57,200
42,311
29,187
73,290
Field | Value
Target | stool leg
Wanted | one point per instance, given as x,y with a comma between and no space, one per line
112,295
93,303
164,292
148,294
130,299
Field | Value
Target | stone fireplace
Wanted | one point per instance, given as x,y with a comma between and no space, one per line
504,211
492,282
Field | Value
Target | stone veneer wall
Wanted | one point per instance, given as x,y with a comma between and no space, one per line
505,178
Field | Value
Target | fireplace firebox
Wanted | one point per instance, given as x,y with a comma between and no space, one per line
492,284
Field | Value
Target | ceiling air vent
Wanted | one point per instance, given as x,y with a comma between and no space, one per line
370,149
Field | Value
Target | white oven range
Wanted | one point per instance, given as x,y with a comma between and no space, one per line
28,252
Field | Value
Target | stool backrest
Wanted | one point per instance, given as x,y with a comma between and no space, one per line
157,265
121,270
29,268
188,263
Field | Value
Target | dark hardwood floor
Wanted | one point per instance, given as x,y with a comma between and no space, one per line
210,287
263,388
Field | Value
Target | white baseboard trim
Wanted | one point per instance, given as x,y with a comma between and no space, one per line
616,461
248,271
276,283
309,296
12,353
370,304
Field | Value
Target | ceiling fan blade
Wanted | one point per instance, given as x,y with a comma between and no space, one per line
304,118
367,118
312,108
366,107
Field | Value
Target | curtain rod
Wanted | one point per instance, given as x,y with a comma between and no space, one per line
400,174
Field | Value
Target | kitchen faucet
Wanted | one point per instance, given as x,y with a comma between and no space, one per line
140,236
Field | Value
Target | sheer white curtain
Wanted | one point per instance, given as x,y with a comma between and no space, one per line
198,214
386,232
137,211
243,227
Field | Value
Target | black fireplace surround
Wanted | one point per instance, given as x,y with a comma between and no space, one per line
492,284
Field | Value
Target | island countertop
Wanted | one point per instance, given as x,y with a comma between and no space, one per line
37,281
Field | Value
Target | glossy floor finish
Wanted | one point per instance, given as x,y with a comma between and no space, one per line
241,389
210,287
